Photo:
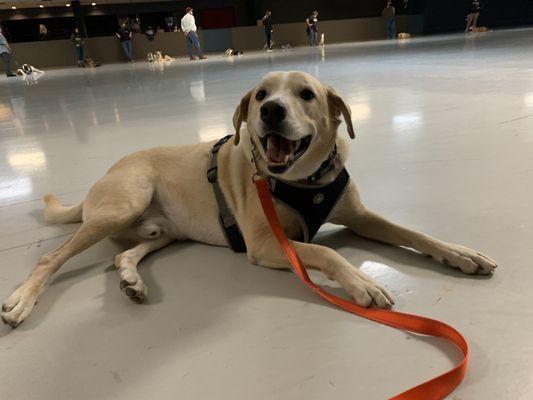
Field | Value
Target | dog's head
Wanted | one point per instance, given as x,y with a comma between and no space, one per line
292,120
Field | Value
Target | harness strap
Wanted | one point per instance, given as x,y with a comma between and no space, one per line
226,219
435,389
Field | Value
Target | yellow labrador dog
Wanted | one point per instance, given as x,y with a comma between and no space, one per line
161,195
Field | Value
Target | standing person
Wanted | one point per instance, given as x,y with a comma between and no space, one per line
5,54
473,15
188,26
267,23
389,14
312,28
125,35
78,44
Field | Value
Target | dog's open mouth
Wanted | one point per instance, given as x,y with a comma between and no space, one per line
281,152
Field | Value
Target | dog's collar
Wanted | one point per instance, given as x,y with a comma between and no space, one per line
328,165
325,167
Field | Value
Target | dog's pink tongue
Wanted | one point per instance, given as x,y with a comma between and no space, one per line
278,148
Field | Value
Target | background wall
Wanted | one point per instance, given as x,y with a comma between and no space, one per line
58,53
245,12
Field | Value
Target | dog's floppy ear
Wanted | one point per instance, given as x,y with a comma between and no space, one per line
337,106
240,115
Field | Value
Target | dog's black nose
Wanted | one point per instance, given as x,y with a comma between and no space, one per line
272,113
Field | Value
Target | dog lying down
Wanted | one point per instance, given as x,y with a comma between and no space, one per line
157,196
231,52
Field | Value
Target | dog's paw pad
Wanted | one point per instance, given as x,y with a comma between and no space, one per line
136,291
16,311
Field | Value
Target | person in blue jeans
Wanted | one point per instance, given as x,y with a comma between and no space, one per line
78,41
312,28
389,14
188,26
125,35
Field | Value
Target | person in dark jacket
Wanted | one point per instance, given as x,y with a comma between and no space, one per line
267,23
78,41
389,14
312,28
125,35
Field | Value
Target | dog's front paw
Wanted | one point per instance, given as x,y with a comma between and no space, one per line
467,260
135,289
366,292
16,308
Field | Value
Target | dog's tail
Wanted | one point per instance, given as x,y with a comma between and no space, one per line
56,213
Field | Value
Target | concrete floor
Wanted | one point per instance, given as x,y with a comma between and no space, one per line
445,144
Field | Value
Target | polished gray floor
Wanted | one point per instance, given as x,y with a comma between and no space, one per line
445,145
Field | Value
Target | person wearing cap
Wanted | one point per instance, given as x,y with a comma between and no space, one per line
188,26
5,55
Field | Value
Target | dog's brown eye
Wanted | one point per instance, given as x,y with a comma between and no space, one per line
307,95
260,96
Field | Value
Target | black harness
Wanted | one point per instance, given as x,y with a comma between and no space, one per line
312,204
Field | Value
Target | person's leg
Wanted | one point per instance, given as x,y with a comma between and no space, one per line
474,21
393,29
79,56
126,45
5,61
125,48
6,58
196,43
469,19
130,50
269,38
189,45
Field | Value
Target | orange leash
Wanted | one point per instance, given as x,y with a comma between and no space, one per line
434,389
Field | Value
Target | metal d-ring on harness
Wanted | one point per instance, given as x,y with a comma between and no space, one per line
311,203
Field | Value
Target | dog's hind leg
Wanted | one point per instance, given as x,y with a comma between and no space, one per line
108,208
126,263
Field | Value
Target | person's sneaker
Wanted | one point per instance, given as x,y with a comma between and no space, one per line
203,58
11,75
191,58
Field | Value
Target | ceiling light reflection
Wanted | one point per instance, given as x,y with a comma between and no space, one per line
26,160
